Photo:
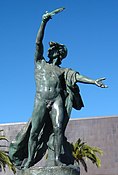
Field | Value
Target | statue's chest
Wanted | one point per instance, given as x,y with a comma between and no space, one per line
47,71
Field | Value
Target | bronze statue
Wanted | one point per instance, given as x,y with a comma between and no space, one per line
56,94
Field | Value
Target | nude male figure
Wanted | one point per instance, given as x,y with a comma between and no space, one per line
49,92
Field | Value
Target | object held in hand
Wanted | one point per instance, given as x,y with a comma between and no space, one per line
48,15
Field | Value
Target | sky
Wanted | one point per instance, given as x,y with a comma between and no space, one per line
88,28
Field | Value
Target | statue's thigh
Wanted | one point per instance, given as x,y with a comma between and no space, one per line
57,113
38,115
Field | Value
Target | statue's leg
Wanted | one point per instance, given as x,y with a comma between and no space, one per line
57,120
38,118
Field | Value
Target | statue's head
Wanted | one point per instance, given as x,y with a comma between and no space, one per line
57,51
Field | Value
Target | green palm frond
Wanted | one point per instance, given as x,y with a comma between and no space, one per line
4,158
97,150
3,138
84,164
81,152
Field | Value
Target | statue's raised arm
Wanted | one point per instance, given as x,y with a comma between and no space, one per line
40,35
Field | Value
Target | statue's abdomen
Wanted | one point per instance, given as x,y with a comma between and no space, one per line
47,83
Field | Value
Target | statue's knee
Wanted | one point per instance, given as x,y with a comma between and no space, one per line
57,129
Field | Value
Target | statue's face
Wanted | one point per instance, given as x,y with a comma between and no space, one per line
53,53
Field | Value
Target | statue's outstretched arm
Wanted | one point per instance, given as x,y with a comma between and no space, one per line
83,79
40,35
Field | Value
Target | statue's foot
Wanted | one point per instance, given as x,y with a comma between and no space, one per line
27,165
59,163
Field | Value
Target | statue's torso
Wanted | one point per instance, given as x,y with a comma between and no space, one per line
48,80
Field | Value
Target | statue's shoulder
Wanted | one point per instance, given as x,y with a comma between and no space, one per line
40,62
69,71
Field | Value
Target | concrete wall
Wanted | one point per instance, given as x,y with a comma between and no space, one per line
101,132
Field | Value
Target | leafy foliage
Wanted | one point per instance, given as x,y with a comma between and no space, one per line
81,152
4,158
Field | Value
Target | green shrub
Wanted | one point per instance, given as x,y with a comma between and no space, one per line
4,158
81,152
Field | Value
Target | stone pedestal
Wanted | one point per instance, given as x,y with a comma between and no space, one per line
56,170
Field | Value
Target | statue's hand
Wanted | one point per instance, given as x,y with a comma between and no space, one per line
99,83
48,15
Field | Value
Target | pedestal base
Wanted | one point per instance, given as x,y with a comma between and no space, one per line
56,170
